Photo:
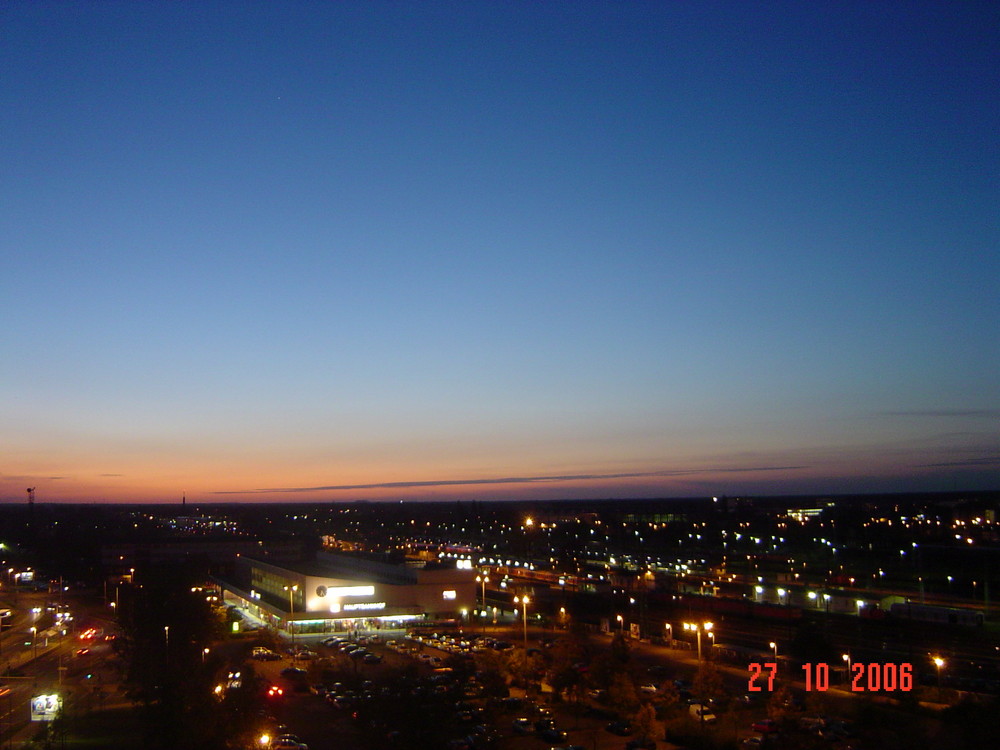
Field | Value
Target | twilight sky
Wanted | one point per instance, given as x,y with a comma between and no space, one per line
258,250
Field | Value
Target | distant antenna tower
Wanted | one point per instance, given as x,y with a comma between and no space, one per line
31,497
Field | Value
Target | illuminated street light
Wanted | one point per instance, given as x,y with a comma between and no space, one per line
524,610
695,627
483,579
847,658
938,662
774,646
291,611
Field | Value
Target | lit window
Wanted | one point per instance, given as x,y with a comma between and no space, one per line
448,594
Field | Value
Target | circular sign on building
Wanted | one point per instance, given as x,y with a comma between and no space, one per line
321,591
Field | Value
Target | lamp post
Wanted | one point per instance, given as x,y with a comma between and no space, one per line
693,626
524,601
938,662
847,658
483,579
670,633
621,624
774,647
291,611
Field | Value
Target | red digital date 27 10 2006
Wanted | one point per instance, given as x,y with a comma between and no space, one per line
872,677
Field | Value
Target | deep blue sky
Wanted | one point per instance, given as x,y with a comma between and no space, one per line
647,248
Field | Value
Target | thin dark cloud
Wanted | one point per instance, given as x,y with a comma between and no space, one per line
984,461
111,475
983,413
506,480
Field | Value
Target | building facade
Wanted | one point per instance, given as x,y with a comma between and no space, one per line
342,593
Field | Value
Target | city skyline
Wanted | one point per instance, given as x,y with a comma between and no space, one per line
485,251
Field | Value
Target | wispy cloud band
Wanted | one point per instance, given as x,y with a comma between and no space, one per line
980,413
984,461
506,480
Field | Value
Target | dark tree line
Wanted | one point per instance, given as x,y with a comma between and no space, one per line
164,628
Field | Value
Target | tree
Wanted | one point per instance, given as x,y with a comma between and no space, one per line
708,683
670,699
621,652
622,695
644,722
777,705
164,628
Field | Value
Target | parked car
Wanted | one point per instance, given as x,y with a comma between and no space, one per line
523,725
765,726
703,713
621,728
552,735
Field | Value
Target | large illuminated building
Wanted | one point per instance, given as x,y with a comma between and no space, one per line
342,592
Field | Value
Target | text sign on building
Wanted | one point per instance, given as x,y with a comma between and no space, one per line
364,605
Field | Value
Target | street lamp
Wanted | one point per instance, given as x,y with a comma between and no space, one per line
774,646
524,601
291,611
483,579
847,658
938,662
621,623
693,626
670,633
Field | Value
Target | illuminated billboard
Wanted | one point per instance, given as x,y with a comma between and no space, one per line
45,707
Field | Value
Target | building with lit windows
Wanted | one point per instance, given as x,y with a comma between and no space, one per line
335,593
